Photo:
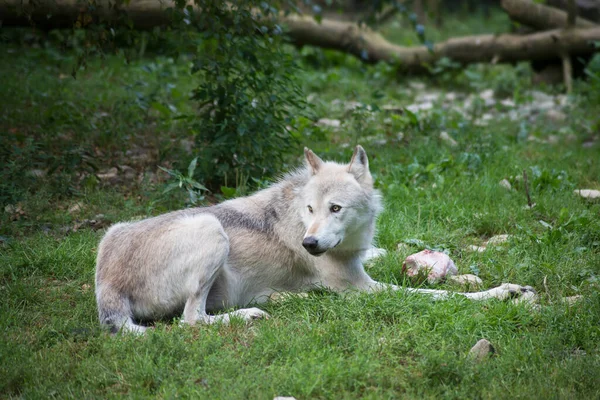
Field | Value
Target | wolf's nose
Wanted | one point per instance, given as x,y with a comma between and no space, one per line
310,243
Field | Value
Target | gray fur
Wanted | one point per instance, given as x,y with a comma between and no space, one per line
243,250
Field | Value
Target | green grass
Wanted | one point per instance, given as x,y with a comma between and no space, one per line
386,345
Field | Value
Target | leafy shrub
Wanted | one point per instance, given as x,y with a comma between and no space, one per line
247,96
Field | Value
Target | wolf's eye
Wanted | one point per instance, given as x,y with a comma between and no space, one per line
335,208
310,209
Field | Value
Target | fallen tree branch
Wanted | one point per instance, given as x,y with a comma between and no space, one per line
372,47
539,16
360,41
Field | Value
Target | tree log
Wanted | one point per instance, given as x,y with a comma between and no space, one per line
344,36
539,16
372,47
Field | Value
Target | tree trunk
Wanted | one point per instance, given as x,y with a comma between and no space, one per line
539,16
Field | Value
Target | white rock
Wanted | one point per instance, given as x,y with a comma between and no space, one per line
555,115
541,97
416,85
433,265
498,240
451,96
487,94
284,398
571,300
332,123
479,249
428,97
482,349
508,103
108,174
448,139
589,194
505,184
37,173
402,247
466,281
351,105
75,208
420,107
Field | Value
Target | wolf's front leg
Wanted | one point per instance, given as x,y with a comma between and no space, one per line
502,292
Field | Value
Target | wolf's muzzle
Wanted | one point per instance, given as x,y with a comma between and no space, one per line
311,244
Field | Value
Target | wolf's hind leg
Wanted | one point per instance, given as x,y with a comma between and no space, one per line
114,311
205,264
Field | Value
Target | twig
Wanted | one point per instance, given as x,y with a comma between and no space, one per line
529,203
567,72
546,285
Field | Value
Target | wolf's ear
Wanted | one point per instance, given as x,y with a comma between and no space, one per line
359,164
313,160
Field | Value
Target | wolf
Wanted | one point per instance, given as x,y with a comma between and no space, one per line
313,228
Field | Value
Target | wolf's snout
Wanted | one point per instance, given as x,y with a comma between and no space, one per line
310,243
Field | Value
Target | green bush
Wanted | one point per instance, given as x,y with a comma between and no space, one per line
247,96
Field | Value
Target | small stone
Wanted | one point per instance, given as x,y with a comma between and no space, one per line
506,184
37,173
571,300
428,97
451,96
448,139
555,115
498,240
284,398
478,249
75,208
552,139
331,123
108,175
467,281
414,108
487,94
508,103
482,349
432,265
416,85
127,172
392,108
589,194
402,247
541,97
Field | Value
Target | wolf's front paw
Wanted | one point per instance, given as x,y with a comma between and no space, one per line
517,292
249,314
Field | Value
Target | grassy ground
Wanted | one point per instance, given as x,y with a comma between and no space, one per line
387,345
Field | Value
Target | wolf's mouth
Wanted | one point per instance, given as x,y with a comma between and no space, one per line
321,252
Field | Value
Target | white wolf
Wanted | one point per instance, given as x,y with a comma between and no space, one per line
311,229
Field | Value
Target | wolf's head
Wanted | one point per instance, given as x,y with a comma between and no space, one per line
340,204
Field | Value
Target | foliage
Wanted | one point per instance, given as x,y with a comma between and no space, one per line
247,96
187,183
